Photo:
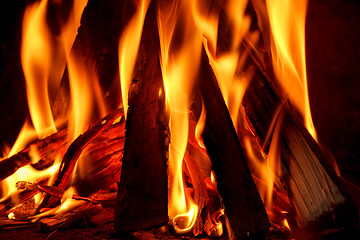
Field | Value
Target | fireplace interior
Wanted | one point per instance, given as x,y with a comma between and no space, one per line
113,165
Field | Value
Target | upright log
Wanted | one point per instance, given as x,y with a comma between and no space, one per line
142,195
316,192
243,205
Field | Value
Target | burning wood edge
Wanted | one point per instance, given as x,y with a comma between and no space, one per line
200,192
47,148
243,205
73,153
143,188
314,189
105,154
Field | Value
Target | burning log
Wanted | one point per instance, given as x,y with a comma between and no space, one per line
142,194
47,149
314,189
243,205
74,152
103,157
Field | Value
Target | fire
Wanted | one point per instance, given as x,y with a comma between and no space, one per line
200,126
36,57
286,224
44,52
85,94
287,24
128,47
185,28
179,64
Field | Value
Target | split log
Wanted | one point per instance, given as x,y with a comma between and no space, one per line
243,205
73,153
142,194
47,149
314,189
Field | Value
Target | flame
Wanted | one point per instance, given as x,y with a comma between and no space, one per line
67,202
43,57
44,52
231,85
286,224
287,24
26,135
36,61
179,64
81,85
200,126
228,65
128,47
29,174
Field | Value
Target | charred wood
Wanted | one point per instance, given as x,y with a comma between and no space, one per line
47,149
316,192
73,153
243,205
142,194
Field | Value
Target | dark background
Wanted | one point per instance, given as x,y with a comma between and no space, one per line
333,61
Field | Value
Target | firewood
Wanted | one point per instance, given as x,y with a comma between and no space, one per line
10,223
314,189
20,196
142,194
103,157
107,199
47,148
73,153
242,202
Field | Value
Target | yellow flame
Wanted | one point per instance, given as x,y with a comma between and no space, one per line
36,60
80,80
29,174
26,135
287,24
128,48
179,64
231,85
43,57
11,216
286,224
67,202
200,126
226,67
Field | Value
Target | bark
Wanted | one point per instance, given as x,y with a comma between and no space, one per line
142,194
243,205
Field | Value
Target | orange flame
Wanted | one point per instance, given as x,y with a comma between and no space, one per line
179,66
36,56
200,126
43,56
228,65
287,24
128,47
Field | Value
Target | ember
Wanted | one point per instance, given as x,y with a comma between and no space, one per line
185,117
